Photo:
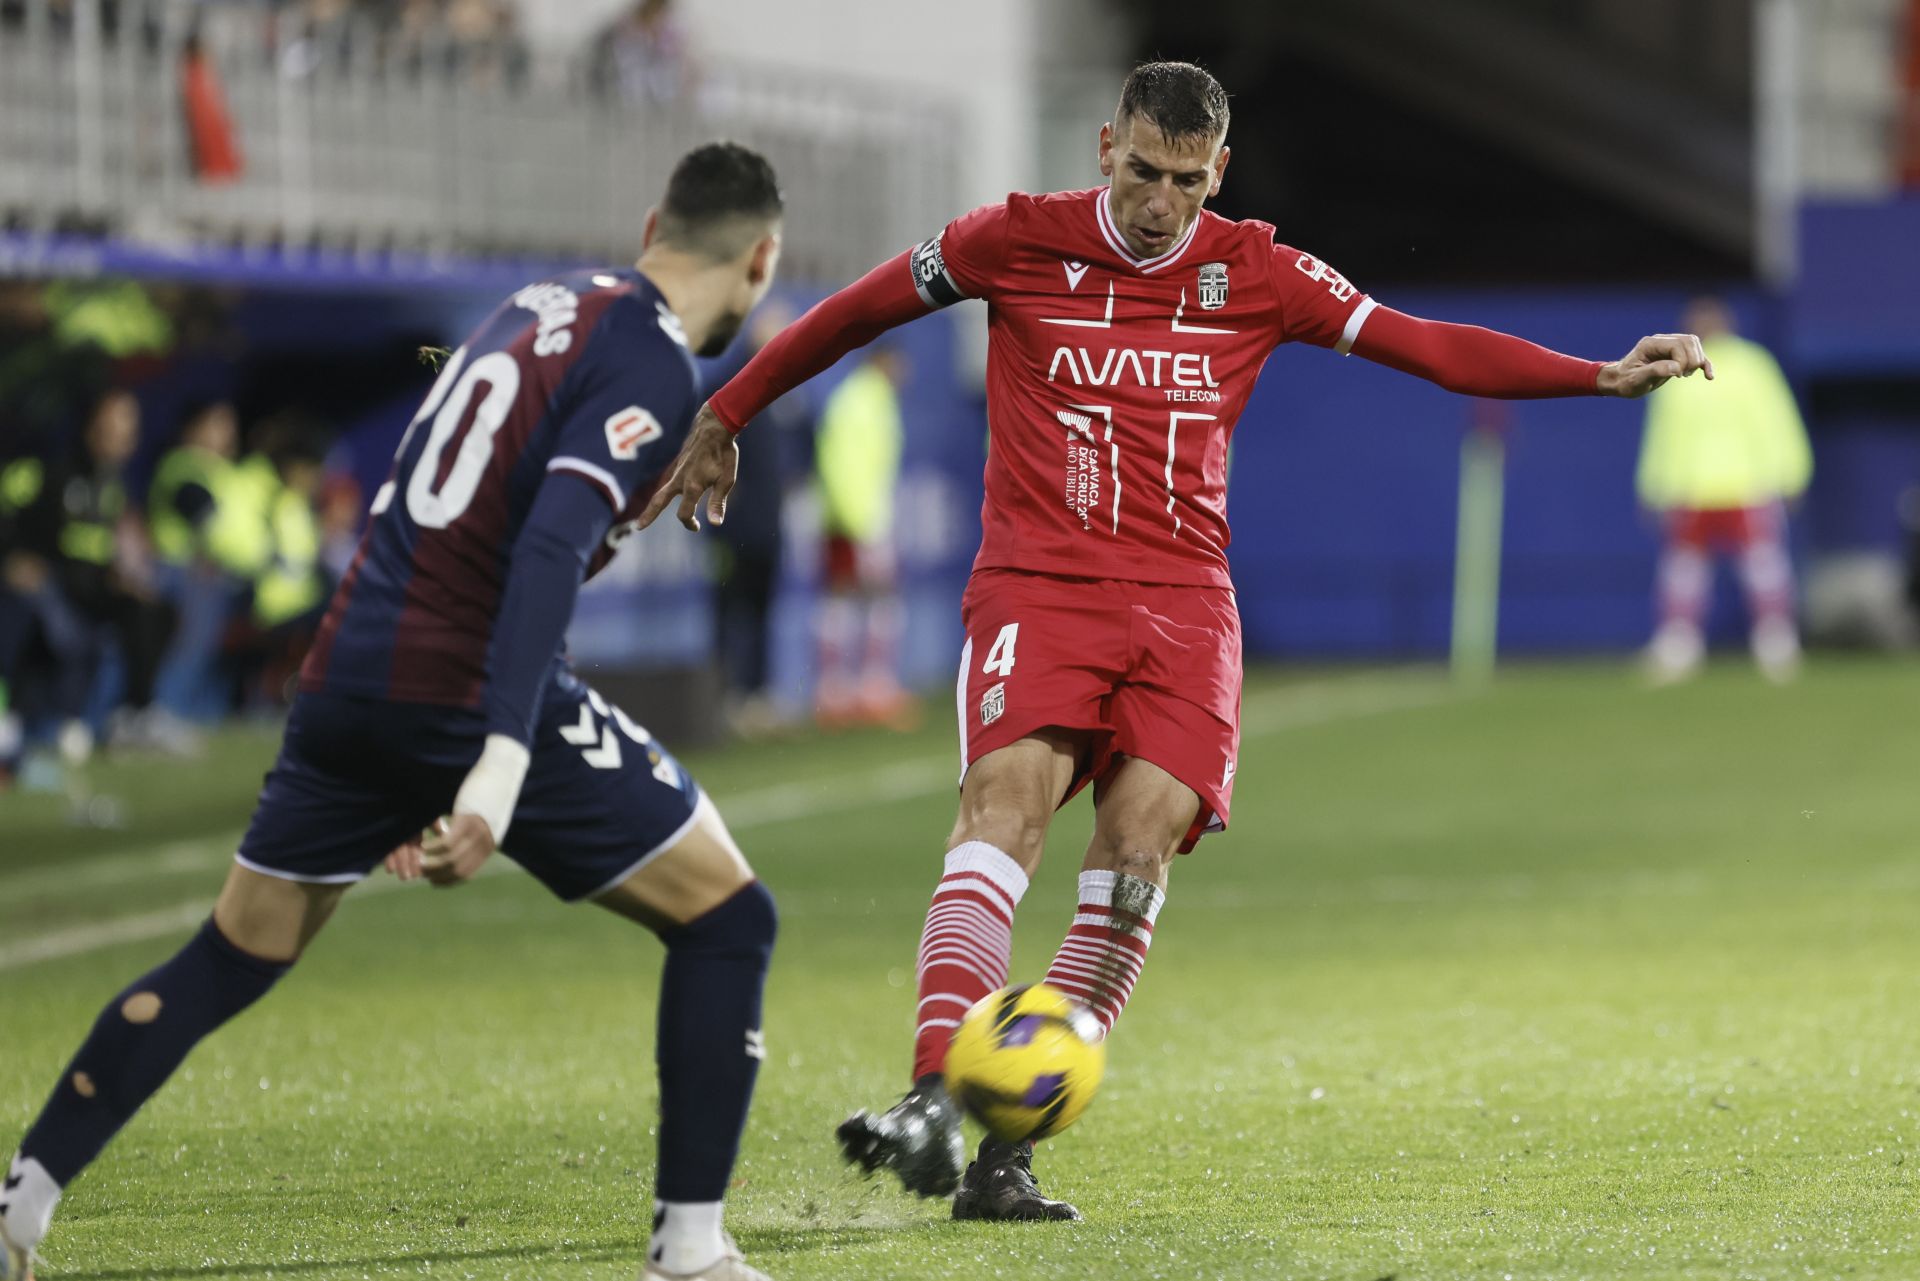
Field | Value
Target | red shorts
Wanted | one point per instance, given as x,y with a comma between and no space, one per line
1725,528
1150,670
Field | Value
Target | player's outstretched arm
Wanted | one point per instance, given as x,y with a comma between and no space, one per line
878,301
1482,362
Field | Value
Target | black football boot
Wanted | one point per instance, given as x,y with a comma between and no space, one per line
1000,1185
917,1138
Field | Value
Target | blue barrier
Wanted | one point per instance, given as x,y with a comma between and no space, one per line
1344,474
1343,496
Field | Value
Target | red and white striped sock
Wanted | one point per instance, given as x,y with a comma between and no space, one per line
1099,961
967,945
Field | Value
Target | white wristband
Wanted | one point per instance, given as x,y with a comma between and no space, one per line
493,784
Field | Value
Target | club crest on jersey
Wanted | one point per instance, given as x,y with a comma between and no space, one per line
629,429
993,704
1213,286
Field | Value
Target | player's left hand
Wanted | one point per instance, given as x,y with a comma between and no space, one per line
710,460
1653,361
454,850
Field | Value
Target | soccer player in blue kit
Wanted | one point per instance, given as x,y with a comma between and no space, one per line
437,693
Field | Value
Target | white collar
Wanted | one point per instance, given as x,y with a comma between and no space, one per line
1103,203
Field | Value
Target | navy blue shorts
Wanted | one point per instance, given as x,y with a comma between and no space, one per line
358,776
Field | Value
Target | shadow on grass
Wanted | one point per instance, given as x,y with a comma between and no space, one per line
753,1241
758,1241
600,1252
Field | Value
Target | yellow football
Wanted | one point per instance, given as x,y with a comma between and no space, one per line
1026,1061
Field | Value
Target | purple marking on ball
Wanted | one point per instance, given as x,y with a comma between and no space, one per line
1041,1092
1023,1029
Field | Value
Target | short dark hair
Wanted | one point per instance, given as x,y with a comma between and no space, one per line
1182,99
720,199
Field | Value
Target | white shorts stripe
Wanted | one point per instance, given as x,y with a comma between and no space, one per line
701,807
960,702
337,878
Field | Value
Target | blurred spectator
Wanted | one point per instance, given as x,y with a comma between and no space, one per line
70,583
748,574
642,57
210,546
214,145
474,43
471,42
117,318
483,45
292,586
279,482
60,343
857,465
1718,462
341,507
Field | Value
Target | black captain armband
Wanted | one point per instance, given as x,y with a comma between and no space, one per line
931,279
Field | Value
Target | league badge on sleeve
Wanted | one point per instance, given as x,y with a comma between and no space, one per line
1213,286
629,429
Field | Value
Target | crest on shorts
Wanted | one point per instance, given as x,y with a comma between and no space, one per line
1213,286
993,703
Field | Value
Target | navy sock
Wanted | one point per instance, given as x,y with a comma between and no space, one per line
137,1042
709,1046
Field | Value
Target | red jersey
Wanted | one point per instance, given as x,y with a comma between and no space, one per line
1114,382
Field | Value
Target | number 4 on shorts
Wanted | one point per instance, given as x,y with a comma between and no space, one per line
1000,657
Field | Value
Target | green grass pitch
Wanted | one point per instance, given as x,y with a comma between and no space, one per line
1565,979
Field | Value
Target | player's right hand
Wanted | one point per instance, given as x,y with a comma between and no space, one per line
454,850
710,460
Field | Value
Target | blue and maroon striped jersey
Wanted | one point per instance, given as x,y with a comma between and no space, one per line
587,373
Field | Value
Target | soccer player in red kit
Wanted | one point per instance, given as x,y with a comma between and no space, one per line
1127,326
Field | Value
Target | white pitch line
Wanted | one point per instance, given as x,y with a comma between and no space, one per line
1296,707
92,938
118,869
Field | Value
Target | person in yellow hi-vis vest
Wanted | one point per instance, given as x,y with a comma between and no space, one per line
292,587
277,484
191,492
211,543
857,465
72,584
1718,463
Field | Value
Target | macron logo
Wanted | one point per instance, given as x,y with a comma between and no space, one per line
1075,270
629,429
